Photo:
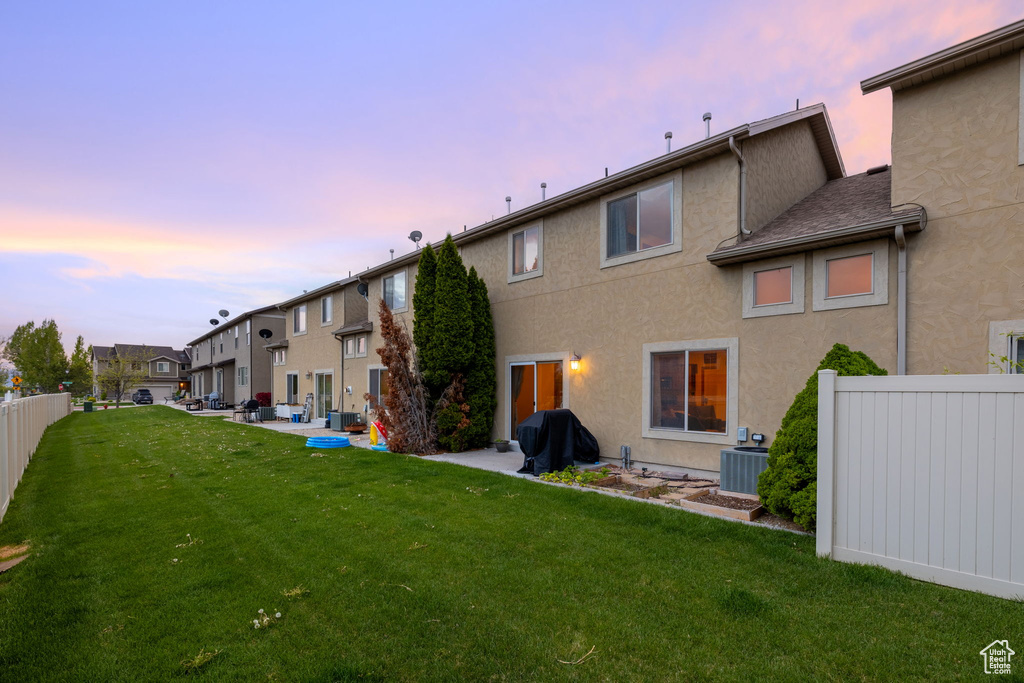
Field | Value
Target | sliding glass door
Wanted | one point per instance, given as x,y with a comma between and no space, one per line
324,393
534,386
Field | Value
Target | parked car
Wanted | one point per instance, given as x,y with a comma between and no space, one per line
142,396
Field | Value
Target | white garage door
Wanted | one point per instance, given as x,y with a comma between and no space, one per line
161,391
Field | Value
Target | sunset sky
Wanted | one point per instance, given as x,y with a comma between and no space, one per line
161,161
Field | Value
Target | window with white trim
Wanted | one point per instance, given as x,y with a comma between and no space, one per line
852,275
1006,347
643,221
773,286
395,291
243,376
299,319
355,347
379,383
690,390
248,332
163,366
280,356
526,253
326,309
236,336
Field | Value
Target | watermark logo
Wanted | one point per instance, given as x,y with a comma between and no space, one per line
997,657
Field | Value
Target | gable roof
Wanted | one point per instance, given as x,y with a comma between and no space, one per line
991,45
846,210
102,352
816,115
151,352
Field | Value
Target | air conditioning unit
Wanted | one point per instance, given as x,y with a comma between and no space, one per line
740,468
341,420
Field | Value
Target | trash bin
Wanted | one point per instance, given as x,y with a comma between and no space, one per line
88,406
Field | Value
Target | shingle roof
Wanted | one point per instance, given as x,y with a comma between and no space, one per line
102,352
846,205
149,351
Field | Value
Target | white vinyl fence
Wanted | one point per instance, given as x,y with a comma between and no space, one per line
924,475
22,423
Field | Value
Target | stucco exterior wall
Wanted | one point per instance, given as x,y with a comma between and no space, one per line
315,351
607,315
955,151
783,167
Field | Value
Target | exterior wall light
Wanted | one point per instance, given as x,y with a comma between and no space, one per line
574,362
309,375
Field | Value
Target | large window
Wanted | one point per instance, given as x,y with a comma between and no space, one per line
642,222
848,276
394,291
526,253
243,377
299,319
691,390
326,313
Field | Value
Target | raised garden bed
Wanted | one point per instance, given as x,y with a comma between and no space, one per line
616,482
723,506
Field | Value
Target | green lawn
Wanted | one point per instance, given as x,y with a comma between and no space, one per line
410,569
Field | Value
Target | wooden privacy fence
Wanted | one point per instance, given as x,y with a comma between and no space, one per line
22,423
924,475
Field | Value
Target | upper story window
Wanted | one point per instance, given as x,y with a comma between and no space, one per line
236,336
248,332
852,275
526,253
299,319
355,347
774,286
326,310
163,366
394,291
280,356
848,276
642,222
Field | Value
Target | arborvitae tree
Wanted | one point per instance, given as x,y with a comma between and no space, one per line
789,487
481,380
450,347
423,309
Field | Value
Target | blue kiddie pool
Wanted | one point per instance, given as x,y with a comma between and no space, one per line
327,442
378,447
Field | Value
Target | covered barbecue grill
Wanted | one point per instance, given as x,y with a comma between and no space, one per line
552,439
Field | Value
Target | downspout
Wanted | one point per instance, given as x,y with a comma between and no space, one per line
901,303
743,188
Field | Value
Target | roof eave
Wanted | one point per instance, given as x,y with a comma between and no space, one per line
829,238
968,53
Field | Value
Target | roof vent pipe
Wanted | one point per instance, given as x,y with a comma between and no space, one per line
743,186
392,254
707,125
668,142
508,201
543,191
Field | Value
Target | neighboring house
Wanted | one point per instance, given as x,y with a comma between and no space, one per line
324,350
167,368
958,150
230,359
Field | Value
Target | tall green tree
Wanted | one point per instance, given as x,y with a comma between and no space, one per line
481,380
80,368
423,306
38,354
123,372
450,347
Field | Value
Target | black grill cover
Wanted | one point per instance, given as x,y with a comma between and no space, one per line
552,439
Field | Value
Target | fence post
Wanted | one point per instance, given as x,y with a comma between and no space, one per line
826,460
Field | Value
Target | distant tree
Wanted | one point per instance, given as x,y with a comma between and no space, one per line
80,368
38,354
5,377
423,307
481,378
124,371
